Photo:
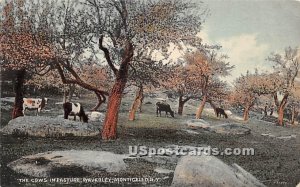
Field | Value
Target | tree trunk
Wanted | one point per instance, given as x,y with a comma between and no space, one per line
18,104
201,107
180,106
136,103
101,99
109,130
110,123
280,115
281,109
293,115
213,106
142,100
246,113
71,92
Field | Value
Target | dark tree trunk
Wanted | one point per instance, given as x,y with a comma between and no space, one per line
19,84
213,106
101,99
136,103
181,104
71,92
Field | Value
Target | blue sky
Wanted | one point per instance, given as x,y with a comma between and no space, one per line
250,30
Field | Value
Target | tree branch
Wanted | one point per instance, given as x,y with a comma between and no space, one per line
107,55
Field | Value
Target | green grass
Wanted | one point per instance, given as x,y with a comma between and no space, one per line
150,121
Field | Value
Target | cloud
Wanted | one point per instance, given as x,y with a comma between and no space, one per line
203,34
246,53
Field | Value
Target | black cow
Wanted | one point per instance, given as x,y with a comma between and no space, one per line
74,109
163,107
221,112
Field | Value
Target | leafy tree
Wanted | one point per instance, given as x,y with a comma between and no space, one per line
145,72
131,25
207,66
249,87
287,67
23,48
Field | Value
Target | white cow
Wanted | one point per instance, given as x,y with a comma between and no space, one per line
34,104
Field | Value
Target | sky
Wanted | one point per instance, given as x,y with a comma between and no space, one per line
249,31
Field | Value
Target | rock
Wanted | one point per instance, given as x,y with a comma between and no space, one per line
97,116
229,128
190,131
42,126
162,170
209,171
286,137
198,123
71,163
228,112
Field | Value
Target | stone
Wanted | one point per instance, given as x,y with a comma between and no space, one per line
209,171
198,123
97,116
229,128
69,163
41,126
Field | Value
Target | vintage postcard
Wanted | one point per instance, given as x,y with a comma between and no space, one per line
150,93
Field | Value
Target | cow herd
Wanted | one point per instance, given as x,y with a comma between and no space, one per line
70,109
76,109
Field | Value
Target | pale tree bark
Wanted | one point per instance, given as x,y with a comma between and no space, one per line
293,115
201,107
136,103
281,107
246,113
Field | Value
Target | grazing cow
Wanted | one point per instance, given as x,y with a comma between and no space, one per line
163,107
221,112
74,109
34,104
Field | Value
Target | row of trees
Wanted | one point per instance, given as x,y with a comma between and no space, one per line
280,85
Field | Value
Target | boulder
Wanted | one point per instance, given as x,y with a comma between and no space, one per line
96,116
71,163
230,128
162,170
198,123
209,171
42,126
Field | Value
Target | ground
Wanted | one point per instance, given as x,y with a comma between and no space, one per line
276,161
